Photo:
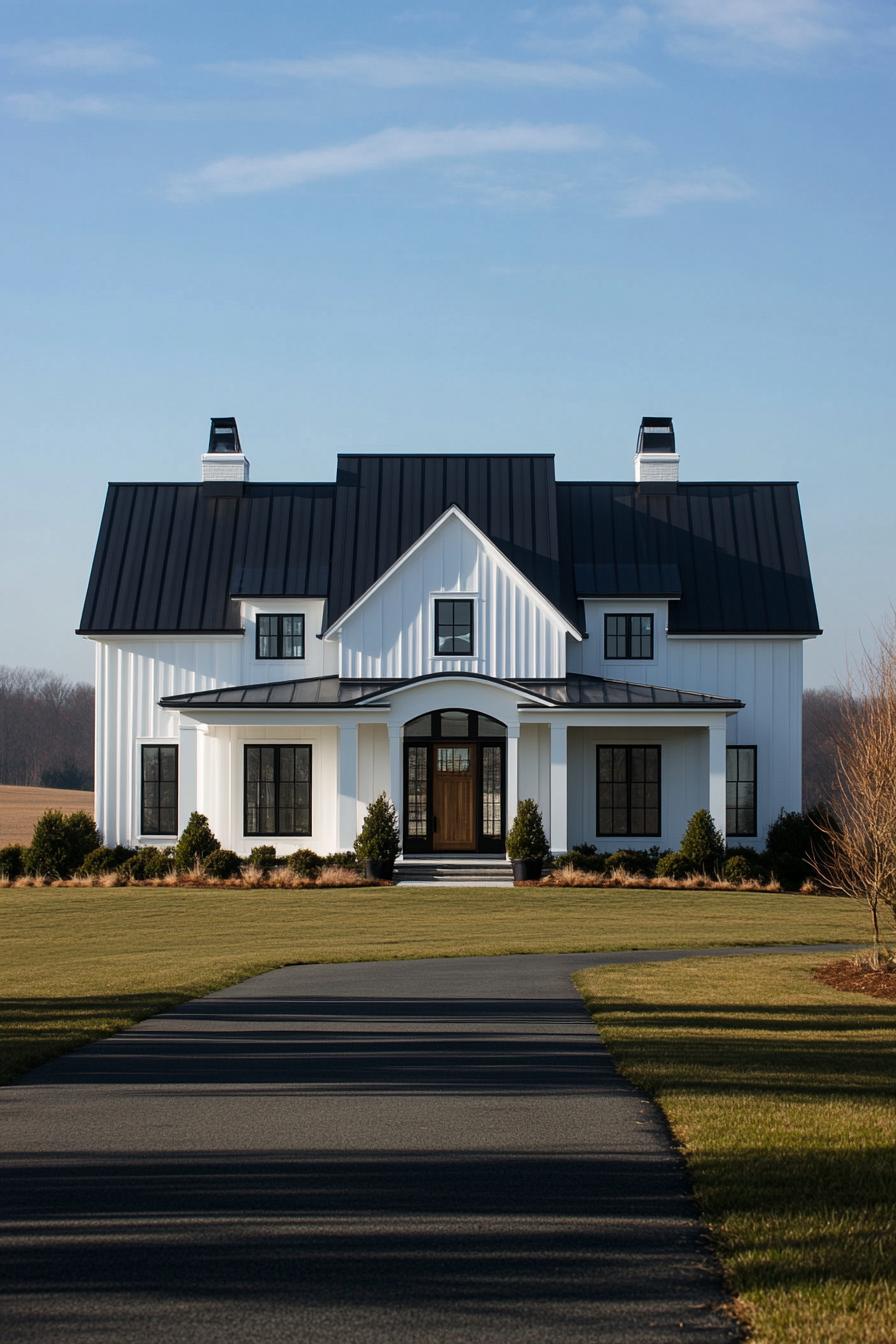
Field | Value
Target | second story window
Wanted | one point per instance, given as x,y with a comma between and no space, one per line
454,627
628,636
280,637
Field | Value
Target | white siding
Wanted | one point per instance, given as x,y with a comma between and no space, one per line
392,635
767,674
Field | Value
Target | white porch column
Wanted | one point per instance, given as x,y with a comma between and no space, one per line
187,771
512,788
347,786
718,739
559,811
396,773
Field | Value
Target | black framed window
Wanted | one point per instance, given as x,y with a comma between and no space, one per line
628,636
740,791
454,626
158,790
277,790
280,637
628,791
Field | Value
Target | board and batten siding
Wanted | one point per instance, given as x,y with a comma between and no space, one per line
391,634
766,673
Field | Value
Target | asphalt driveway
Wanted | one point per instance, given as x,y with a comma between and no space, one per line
385,1151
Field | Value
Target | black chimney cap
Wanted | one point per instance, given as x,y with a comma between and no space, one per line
656,434
224,437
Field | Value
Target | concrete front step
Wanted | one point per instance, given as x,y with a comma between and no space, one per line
466,872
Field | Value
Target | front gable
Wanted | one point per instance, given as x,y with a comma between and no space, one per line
390,630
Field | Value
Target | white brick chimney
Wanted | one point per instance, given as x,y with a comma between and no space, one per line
225,459
655,455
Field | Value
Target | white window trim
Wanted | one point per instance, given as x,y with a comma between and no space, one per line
437,661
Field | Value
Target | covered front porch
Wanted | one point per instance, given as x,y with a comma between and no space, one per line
609,763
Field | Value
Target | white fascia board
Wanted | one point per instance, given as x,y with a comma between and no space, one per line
494,551
160,636
757,635
284,718
626,718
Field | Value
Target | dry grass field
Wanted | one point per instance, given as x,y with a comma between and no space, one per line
20,808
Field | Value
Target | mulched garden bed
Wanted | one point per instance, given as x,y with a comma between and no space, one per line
855,979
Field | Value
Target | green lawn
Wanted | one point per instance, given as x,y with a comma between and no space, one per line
79,963
783,1094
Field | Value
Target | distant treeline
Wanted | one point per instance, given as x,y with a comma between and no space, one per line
46,734
46,729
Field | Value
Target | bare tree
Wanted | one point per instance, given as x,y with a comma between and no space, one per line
861,844
46,728
823,714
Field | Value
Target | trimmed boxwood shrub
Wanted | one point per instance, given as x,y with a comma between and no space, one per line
757,868
223,863
736,869
195,844
585,857
12,861
306,863
61,843
794,845
702,843
633,861
675,865
343,858
105,860
150,862
264,857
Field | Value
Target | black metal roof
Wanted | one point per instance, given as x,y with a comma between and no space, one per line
577,691
735,552
170,557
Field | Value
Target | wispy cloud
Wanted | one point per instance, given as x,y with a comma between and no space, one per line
749,29
409,69
656,195
584,27
51,107
393,148
95,56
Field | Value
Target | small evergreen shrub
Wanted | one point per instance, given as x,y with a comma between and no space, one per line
12,861
195,844
150,862
343,858
105,860
61,843
757,868
306,863
222,863
584,858
526,838
795,847
702,843
263,857
641,862
735,870
378,840
674,865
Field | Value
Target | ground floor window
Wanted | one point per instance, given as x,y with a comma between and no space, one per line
277,790
740,791
158,790
628,791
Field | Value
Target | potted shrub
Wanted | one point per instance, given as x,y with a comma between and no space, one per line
527,845
378,842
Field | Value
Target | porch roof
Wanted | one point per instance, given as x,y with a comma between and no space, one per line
575,691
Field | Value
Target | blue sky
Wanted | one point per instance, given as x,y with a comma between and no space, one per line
451,227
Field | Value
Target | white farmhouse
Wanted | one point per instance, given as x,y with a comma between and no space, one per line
460,631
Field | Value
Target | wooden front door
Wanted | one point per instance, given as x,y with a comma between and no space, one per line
454,796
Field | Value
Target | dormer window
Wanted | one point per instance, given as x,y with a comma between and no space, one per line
628,636
280,637
454,627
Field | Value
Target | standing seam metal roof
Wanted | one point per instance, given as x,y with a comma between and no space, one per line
170,557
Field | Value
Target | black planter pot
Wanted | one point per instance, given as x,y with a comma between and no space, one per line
381,869
527,870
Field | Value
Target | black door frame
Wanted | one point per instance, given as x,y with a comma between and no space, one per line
423,844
